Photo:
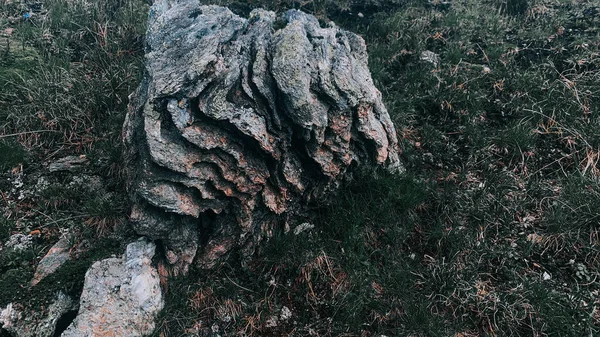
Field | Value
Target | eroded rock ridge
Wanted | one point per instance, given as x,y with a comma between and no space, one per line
240,123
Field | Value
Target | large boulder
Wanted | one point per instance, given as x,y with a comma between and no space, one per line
239,124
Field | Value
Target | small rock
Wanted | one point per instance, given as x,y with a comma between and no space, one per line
35,324
303,228
271,322
430,57
121,296
8,317
56,257
69,163
546,276
89,183
286,314
42,184
19,242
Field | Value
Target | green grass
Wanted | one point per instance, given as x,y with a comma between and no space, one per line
12,154
493,231
65,74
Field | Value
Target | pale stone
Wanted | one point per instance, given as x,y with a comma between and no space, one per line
35,324
121,296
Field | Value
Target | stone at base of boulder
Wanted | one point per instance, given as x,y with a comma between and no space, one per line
121,296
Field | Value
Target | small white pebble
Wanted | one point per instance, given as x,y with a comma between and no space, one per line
546,276
286,313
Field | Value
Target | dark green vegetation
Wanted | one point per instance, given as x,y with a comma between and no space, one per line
493,231
65,73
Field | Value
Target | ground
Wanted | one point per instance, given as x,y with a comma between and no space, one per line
493,230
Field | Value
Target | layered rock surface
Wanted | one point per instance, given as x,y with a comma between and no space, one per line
239,124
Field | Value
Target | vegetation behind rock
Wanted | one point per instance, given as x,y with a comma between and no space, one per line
493,231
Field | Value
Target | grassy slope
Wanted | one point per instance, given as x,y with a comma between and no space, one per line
65,74
493,232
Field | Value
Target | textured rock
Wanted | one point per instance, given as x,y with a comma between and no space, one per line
69,163
121,296
19,242
430,57
35,324
56,257
8,317
240,123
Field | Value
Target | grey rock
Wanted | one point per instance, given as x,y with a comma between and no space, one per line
303,227
35,324
430,57
9,316
19,242
69,163
286,313
56,257
121,296
240,123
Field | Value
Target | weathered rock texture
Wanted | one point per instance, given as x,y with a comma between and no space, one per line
56,257
121,296
27,323
240,123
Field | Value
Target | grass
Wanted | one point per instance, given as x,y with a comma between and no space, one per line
493,231
65,74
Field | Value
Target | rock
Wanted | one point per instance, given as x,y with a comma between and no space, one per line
91,184
430,57
36,324
19,242
121,296
56,257
286,314
303,228
69,163
272,322
240,123
9,316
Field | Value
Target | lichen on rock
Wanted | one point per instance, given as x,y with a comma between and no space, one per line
240,123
